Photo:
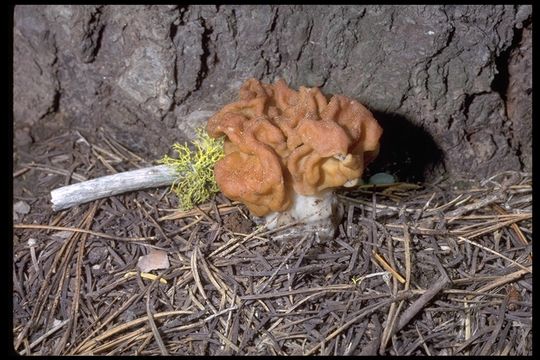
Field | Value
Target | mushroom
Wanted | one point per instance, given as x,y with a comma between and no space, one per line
286,151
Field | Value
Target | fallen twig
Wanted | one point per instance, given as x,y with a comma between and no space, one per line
83,192
78,230
442,282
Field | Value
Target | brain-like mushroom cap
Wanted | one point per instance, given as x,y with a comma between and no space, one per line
279,140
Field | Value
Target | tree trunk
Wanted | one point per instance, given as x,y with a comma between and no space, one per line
451,85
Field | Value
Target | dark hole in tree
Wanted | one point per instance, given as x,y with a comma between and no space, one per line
407,150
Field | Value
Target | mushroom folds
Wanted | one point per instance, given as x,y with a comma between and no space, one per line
280,141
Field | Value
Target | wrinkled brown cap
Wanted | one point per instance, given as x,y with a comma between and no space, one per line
279,140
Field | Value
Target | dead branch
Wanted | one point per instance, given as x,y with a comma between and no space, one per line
83,192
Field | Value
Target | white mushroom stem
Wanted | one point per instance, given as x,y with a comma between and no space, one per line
83,192
318,214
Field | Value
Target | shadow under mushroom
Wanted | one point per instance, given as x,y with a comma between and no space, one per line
407,150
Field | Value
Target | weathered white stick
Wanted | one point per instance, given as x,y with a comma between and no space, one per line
83,192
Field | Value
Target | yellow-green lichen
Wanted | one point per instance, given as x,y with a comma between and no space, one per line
195,168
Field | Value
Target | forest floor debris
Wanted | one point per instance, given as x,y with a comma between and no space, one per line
416,269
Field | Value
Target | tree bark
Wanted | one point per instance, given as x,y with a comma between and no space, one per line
451,85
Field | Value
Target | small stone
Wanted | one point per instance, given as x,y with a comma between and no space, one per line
156,259
382,179
21,207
